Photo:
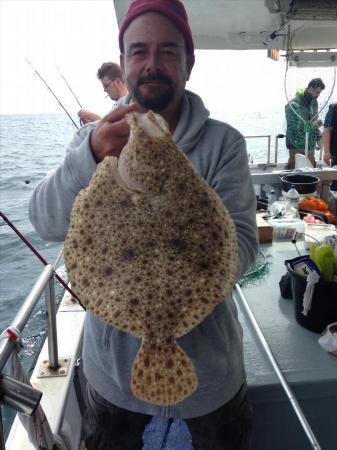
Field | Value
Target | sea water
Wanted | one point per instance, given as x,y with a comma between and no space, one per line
30,147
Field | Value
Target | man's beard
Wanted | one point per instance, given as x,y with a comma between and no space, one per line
156,103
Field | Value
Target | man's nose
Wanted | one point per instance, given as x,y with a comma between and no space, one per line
153,62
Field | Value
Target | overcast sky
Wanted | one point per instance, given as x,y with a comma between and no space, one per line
78,35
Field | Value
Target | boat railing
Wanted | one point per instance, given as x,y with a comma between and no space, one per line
274,161
22,397
268,136
269,151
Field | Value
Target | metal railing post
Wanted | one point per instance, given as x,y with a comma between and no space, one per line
20,320
268,154
268,136
21,396
51,324
18,395
287,389
2,434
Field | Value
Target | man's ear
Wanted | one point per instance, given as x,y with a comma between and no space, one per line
190,59
119,82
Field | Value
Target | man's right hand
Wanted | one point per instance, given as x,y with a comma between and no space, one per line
327,158
87,116
317,124
111,133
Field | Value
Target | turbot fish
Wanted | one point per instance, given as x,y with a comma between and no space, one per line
151,250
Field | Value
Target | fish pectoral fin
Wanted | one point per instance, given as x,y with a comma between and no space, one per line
162,375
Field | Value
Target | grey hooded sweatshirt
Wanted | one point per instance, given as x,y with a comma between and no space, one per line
215,346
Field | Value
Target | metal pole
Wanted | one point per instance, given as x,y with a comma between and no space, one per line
2,434
306,148
25,312
51,324
19,395
268,136
279,136
291,397
269,142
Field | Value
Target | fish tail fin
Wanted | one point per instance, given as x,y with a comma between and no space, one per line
162,374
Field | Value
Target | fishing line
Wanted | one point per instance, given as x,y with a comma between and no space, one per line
41,258
50,89
66,82
298,234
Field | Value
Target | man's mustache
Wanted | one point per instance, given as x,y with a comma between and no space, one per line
147,78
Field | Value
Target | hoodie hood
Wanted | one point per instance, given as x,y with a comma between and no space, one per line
190,126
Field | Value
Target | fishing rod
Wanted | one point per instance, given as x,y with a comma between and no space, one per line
50,89
41,258
66,82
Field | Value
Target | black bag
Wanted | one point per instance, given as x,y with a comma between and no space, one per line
285,286
323,309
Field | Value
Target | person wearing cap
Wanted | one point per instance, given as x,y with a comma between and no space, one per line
110,75
157,57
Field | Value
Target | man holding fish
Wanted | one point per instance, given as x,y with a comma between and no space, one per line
157,57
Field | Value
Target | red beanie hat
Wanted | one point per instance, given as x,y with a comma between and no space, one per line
172,9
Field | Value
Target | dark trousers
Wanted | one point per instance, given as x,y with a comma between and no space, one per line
333,186
108,427
292,152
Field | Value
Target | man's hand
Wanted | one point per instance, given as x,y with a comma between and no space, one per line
112,133
327,158
317,123
87,116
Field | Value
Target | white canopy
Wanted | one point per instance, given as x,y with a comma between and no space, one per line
258,24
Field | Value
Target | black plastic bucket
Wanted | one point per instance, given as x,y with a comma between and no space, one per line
323,309
304,184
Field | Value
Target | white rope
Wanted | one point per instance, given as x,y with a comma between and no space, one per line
312,279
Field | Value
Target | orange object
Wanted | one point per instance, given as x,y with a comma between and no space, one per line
310,203
331,217
313,204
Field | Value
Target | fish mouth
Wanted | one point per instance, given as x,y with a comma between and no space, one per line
123,180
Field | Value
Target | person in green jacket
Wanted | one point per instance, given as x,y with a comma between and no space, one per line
302,110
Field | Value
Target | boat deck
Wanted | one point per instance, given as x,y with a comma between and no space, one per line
310,371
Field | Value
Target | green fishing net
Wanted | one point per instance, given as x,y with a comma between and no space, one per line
256,271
